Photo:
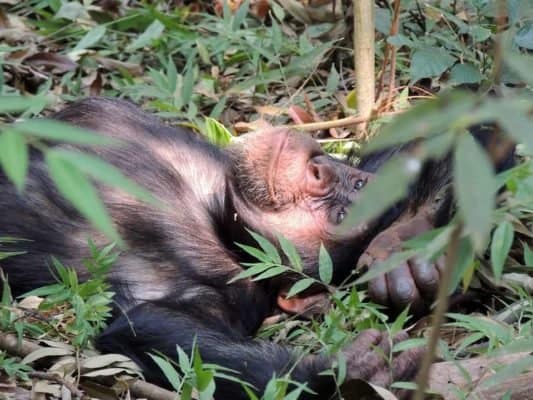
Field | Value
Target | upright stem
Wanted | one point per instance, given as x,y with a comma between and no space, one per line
364,37
438,314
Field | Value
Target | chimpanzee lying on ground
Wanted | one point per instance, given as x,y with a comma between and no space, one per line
173,277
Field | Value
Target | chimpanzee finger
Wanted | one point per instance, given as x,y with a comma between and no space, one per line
441,265
385,376
402,289
378,290
404,368
406,364
363,361
365,260
426,277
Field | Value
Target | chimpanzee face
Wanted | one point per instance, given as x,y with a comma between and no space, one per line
303,193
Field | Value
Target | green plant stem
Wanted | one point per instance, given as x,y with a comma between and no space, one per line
438,314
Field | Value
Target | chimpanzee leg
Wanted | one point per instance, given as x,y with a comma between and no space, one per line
152,327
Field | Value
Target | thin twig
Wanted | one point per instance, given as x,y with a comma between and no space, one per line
338,123
393,32
54,377
438,314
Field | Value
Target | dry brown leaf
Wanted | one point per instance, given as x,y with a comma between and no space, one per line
53,62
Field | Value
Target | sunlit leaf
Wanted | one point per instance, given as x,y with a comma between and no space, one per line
217,133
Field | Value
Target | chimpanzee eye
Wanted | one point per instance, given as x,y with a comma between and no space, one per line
359,184
340,216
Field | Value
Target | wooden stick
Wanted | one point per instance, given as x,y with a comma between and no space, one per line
364,38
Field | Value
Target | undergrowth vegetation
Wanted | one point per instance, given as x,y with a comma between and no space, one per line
243,66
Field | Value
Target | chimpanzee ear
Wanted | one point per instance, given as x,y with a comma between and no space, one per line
319,177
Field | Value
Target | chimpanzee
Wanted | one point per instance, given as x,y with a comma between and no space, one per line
172,279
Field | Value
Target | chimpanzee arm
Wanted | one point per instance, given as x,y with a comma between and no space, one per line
153,327
158,327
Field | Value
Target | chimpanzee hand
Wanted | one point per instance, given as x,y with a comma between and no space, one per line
367,358
414,282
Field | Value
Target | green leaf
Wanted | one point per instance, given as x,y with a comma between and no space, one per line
267,247
290,251
465,73
77,189
388,265
217,133
274,271
400,321
60,131
254,252
390,185
203,377
300,286
7,254
106,173
154,30
465,258
91,38
427,118
240,15
528,256
20,103
188,82
475,186
168,370
502,239
14,157
325,265
516,123
429,62
521,64
524,35
255,270
333,80
71,10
